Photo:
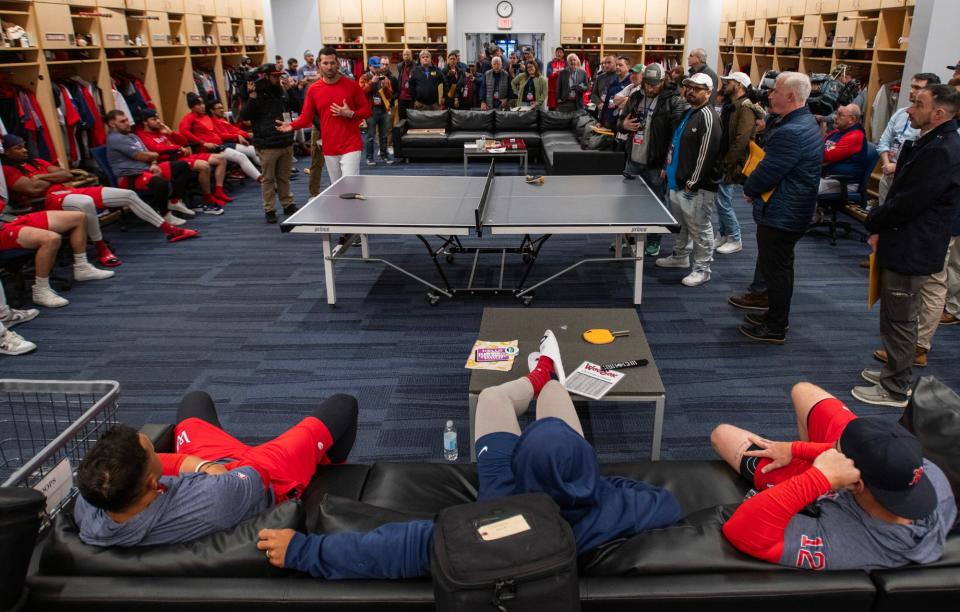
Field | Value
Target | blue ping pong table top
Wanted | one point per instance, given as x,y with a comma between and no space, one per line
451,202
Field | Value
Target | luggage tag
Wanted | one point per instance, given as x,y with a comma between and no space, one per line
503,528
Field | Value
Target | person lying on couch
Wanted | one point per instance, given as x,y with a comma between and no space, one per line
551,457
130,495
852,493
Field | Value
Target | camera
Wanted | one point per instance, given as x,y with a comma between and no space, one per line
761,95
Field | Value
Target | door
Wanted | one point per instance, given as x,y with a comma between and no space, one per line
657,11
571,33
330,11
373,11
158,29
393,11
436,11
635,13
677,11
415,11
571,11
350,11
613,12
54,21
114,27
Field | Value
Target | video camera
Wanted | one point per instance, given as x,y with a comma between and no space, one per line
828,93
761,95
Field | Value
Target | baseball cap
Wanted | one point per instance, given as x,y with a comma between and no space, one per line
307,53
739,77
653,74
270,68
11,140
374,62
700,80
954,67
148,113
890,461
637,68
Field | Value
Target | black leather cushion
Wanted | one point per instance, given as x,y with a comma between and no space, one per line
696,484
419,119
553,138
344,481
459,138
420,141
230,553
514,121
554,120
471,121
339,514
420,488
532,139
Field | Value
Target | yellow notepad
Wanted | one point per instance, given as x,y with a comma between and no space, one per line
756,156
873,293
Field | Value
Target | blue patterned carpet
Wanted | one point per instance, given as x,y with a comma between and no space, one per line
241,313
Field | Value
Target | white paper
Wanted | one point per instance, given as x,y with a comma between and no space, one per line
590,380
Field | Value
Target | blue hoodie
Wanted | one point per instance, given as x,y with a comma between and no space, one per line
549,457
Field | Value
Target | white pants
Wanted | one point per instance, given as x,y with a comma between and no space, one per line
112,198
347,164
243,159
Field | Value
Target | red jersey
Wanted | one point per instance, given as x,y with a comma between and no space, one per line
228,131
340,134
167,145
198,129
27,169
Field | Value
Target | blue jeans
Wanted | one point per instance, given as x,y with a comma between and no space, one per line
380,121
729,226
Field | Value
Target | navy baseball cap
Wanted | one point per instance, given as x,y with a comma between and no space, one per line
147,113
11,140
890,460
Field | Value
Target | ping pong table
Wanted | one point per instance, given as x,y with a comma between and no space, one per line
451,208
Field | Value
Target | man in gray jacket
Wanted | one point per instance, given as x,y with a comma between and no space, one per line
496,86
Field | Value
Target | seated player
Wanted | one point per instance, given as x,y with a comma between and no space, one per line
551,456
12,343
200,130
130,495
233,137
41,231
877,503
170,145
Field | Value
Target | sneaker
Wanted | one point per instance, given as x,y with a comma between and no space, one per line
919,357
761,333
181,208
871,376
270,216
45,296
673,261
172,219
878,396
652,249
12,343
719,241
16,317
289,210
389,161
730,246
211,209
696,278
370,162
182,234
749,301
550,348
948,319
86,272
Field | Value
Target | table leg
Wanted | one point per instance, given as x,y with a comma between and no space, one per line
657,429
364,247
526,167
328,276
638,268
618,246
474,399
465,165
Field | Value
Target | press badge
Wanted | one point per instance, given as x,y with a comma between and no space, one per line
376,99
638,138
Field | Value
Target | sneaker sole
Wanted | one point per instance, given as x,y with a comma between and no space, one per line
743,307
686,284
729,252
186,211
873,402
21,352
758,339
182,238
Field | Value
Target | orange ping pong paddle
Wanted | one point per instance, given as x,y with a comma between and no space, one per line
603,336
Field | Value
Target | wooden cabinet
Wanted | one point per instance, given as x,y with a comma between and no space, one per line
612,34
571,11
846,30
728,10
53,20
415,11
251,9
747,9
613,11
117,4
813,34
372,11
415,31
788,8
113,29
193,30
592,11
249,31
655,34
892,3
350,11
374,32
436,11
657,11
740,33
223,31
84,3
393,11
677,12
158,29
230,8
167,6
829,6
571,33
136,5
199,7
635,12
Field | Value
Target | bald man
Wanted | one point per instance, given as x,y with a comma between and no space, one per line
844,150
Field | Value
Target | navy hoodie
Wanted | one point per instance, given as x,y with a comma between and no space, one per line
550,457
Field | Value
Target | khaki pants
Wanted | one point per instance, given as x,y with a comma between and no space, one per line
953,277
316,162
276,177
933,297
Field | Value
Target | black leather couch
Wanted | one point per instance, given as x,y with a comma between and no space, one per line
685,567
549,134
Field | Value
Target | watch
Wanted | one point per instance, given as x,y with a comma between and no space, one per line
504,8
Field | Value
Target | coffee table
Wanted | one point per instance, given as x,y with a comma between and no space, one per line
470,150
641,384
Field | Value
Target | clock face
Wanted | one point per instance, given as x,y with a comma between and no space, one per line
504,9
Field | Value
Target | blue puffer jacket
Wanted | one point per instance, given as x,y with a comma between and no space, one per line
794,155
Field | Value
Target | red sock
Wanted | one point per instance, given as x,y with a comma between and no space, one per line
221,194
541,374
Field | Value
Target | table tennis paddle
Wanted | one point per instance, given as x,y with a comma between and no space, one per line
603,336
352,196
534,180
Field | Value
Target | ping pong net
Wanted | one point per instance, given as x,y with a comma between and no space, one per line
480,212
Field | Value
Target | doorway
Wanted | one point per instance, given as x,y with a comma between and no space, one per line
508,41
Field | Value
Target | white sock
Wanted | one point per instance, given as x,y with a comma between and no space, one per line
42,282
80,259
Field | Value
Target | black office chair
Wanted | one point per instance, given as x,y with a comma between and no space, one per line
837,202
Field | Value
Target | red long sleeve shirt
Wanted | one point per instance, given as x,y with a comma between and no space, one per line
167,145
227,131
340,134
198,129
838,147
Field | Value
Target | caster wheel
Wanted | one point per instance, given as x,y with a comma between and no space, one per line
433,299
449,258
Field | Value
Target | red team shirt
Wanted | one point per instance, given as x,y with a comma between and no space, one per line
340,135
55,193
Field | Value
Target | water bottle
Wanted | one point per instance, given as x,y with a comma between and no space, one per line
450,442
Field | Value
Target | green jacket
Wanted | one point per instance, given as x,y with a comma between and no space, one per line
539,87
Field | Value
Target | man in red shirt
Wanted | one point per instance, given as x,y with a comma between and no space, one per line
170,145
341,106
202,134
233,137
28,179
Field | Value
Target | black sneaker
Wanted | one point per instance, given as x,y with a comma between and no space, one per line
271,216
289,210
761,333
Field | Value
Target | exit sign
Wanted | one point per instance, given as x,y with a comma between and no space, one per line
504,23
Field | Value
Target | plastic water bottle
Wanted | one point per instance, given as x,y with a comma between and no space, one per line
450,452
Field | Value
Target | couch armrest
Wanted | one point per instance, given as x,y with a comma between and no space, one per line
398,131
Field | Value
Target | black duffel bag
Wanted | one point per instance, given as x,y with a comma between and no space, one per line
513,554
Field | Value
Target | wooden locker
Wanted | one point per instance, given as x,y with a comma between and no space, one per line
571,33
571,11
83,3
655,34
223,32
136,5
635,12
113,29
761,33
229,8
350,11
782,36
812,7
677,12
374,33
892,3
657,11
193,30
846,30
613,11
747,9
436,11
393,11
416,32
847,5
740,34
813,34
373,11
330,11
868,5
117,4
53,20
612,34
415,11
592,11
248,31
158,30
829,6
